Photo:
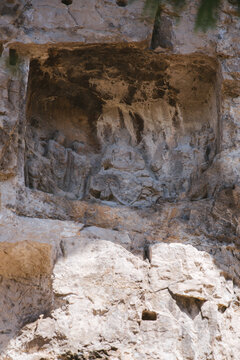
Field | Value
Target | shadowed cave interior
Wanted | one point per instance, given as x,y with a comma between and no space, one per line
120,125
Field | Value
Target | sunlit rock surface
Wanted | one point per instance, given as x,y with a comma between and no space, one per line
119,183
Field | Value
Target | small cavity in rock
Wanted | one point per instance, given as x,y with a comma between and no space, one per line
149,315
67,2
122,2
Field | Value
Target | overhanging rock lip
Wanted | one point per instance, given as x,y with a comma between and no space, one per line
35,50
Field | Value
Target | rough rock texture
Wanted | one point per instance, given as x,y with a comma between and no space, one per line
119,183
158,143
115,305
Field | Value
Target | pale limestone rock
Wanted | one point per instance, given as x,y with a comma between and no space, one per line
94,21
177,263
102,290
165,124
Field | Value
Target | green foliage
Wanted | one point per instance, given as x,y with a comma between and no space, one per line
12,64
207,14
151,7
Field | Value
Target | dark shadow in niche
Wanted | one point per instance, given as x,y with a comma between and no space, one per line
222,308
138,124
13,57
148,315
1,48
147,251
122,3
189,305
67,2
162,32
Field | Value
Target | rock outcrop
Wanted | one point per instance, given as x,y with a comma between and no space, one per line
119,183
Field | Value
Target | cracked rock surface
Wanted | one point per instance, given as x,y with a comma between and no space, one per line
119,183
102,291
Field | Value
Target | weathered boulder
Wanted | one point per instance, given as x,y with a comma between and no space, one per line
110,302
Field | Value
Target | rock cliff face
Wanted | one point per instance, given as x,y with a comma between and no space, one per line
119,183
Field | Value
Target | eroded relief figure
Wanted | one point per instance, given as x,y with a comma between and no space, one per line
56,169
58,156
37,167
78,170
70,167
32,173
121,174
124,176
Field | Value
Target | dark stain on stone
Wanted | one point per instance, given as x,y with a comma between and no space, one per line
127,62
158,93
138,124
172,101
207,153
131,92
158,66
160,82
121,118
175,120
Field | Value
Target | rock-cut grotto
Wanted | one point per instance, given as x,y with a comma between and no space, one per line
119,182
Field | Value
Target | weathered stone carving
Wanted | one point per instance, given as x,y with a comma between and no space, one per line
145,142
113,123
122,172
123,176
78,171
56,169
